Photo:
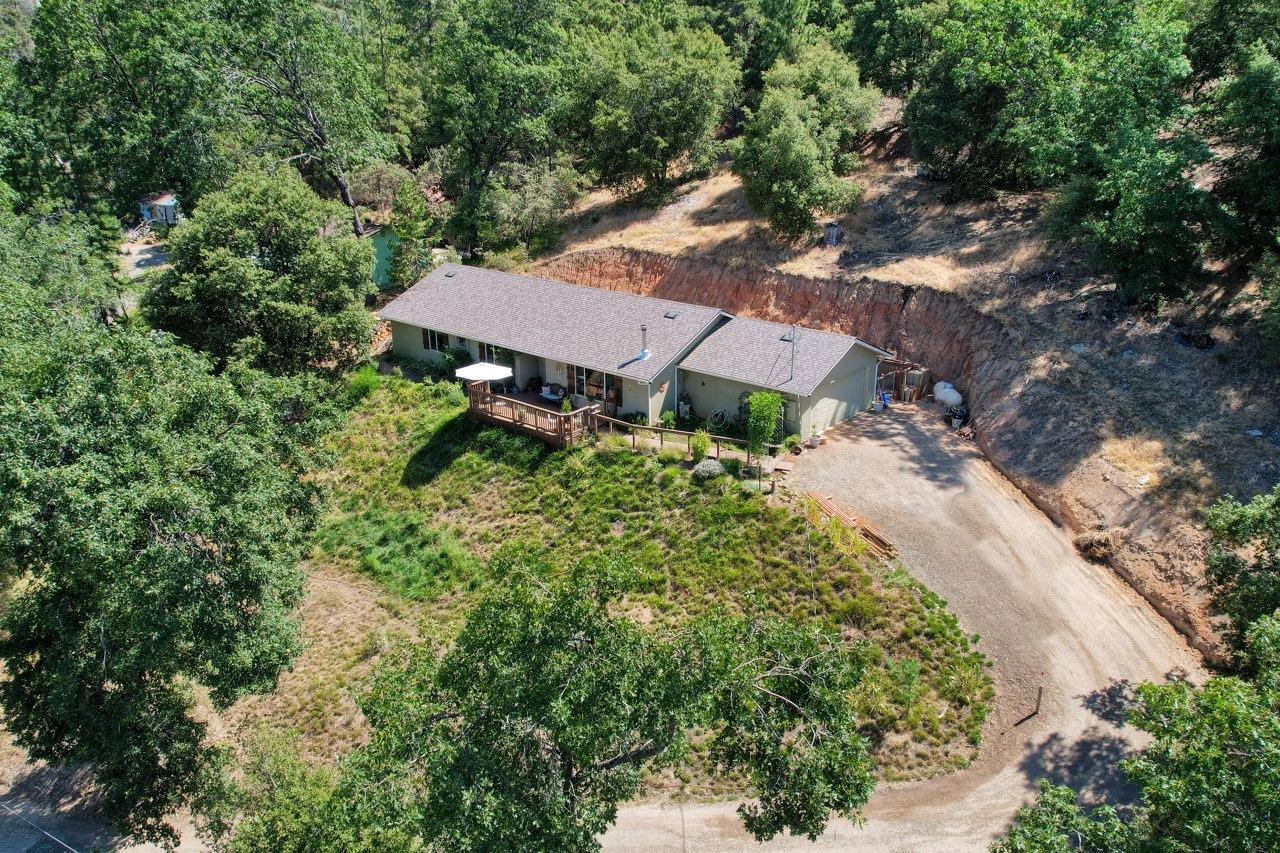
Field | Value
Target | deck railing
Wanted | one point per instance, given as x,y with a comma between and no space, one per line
561,429
677,437
564,429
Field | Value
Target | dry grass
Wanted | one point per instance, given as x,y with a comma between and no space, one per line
347,623
1142,457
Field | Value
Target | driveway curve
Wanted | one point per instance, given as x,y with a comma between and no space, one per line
1046,617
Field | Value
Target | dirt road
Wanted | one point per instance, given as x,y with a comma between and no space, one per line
1046,617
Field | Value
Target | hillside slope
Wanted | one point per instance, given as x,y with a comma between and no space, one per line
1113,420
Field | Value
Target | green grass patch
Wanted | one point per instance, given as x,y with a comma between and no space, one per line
421,498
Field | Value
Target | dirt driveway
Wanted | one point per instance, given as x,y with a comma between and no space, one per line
1046,617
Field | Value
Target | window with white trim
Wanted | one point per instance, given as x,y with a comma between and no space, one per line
595,384
433,340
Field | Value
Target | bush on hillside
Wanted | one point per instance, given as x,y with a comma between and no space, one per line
707,469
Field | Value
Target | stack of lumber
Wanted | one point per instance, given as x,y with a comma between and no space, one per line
876,541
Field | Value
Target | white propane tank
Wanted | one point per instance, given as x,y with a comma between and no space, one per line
946,394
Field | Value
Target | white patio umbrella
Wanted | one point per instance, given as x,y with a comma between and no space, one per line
483,371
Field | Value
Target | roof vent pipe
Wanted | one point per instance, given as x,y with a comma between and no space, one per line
644,337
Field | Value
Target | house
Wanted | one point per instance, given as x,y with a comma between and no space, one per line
159,207
632,354
617,348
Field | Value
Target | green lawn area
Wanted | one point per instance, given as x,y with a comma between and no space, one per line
421,498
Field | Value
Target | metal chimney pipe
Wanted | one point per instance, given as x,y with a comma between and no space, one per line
644,337
793,353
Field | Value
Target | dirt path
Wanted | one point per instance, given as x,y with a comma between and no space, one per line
1046,617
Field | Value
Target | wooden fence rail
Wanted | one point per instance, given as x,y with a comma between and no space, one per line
563,429
663,432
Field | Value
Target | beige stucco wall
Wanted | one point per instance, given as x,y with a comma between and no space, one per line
635,397
661,398
711,392
406,341
852,380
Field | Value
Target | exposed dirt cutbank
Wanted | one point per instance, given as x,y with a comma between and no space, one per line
1022,403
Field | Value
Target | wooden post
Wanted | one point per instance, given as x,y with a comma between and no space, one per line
1036,710
633,439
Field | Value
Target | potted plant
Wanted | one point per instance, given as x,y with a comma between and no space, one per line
813,436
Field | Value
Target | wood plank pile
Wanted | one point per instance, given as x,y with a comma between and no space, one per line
876,541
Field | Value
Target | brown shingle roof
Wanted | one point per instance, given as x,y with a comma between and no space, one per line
587,326
756,353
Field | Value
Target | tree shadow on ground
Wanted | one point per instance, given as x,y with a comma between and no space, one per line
926,453
728,206
1112,703
63,799
1090,765
53,786
452,438
459,435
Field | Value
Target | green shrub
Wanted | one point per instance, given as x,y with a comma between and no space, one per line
669,475
785,174
455,357
505,260
699,445
792,442
362,383
417,365
732,466
763,409
566,405
670,456
707,469
802,136
668,419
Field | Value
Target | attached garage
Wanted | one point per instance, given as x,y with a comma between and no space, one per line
845,392
825,377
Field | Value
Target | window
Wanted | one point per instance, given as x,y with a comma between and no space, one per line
496,355
596,385
433,340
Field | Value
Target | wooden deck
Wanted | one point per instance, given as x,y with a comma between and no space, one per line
521,413
532,415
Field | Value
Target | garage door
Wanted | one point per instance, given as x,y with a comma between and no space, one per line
838,400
